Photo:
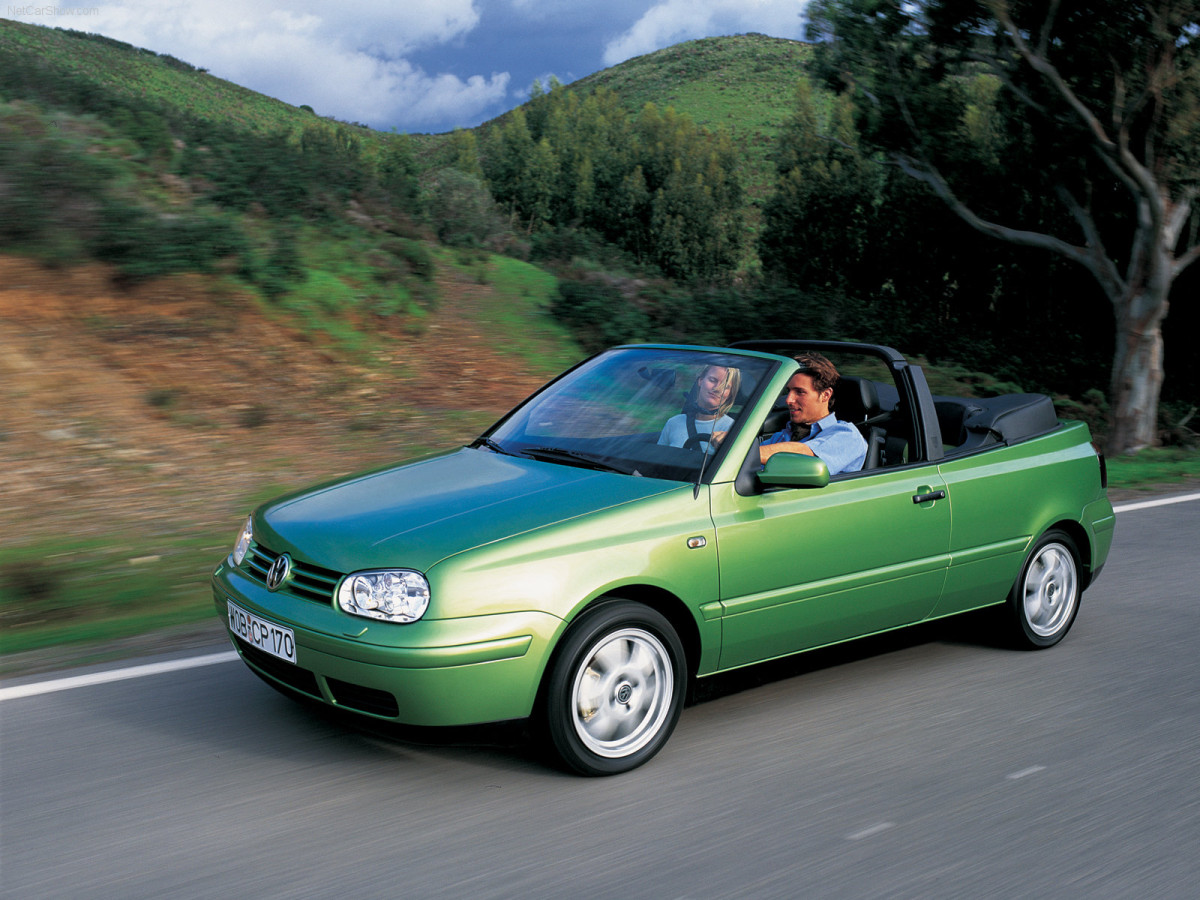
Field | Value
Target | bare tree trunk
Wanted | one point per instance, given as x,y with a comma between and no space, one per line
1140,309
1137,378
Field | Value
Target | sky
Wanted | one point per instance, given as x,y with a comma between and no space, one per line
409,65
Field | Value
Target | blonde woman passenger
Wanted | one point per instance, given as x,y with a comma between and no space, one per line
705,410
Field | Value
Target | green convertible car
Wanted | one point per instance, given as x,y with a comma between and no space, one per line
618,535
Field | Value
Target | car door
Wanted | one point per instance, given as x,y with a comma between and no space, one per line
805,567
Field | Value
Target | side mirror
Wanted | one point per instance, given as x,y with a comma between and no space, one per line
795,470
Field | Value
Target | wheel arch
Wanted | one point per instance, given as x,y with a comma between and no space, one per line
1083,544
671,608
662,601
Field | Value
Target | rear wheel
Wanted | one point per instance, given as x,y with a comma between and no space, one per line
1045,598
615,690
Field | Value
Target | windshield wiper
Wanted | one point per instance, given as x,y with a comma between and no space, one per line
491,445
574,458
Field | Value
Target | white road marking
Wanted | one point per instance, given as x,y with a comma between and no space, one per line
1025,773
78,681
870,832
1147,504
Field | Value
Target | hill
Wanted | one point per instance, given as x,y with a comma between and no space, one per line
233,146
141,424
742,84
138,74
272,311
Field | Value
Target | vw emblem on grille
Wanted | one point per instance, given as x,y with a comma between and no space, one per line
278,573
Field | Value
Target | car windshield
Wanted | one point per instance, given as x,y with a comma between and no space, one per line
647,411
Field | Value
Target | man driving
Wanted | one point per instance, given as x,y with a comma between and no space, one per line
812,428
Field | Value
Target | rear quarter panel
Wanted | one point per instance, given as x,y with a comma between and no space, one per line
1004,498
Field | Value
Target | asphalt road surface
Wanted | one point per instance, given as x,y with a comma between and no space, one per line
932,764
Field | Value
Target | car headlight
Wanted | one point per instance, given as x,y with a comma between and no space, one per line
242,547
392,595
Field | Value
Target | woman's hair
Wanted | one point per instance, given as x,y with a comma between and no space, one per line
732,381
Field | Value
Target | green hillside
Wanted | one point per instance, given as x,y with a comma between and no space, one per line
147,77
742,84
157,166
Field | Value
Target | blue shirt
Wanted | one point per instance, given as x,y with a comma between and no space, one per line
837,443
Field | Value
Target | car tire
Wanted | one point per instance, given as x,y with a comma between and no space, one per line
1045,598
615,689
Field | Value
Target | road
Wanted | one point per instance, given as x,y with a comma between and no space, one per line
931,764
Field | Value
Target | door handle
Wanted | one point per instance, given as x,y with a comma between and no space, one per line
929,497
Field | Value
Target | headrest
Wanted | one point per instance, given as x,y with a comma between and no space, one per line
855,399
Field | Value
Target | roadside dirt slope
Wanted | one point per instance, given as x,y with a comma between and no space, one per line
167,405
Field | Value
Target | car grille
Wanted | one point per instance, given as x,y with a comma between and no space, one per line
308,582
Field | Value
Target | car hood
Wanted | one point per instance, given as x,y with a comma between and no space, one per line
416,514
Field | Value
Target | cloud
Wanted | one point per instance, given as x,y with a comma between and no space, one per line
380,25
419,65
672,21
348,60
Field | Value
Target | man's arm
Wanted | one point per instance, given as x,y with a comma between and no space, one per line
766,451
838,443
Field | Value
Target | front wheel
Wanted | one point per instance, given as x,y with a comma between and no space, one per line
615,690
1045,598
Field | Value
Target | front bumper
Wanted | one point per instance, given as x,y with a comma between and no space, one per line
432,672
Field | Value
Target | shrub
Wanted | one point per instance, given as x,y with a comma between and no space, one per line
143,244
462,209
29,581
414,254
598,314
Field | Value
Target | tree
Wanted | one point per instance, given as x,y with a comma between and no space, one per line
816,225
398,173
508,150
658,186
539,183
464,150
1099,101
462,209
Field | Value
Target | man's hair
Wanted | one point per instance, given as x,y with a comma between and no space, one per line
823,373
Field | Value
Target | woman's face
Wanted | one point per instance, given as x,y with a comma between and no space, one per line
712,388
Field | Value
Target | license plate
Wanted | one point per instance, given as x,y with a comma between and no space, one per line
268,637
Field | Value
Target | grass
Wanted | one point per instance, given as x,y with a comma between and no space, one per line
64,592
340,296
60,592
518,315
68,591
1154,468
